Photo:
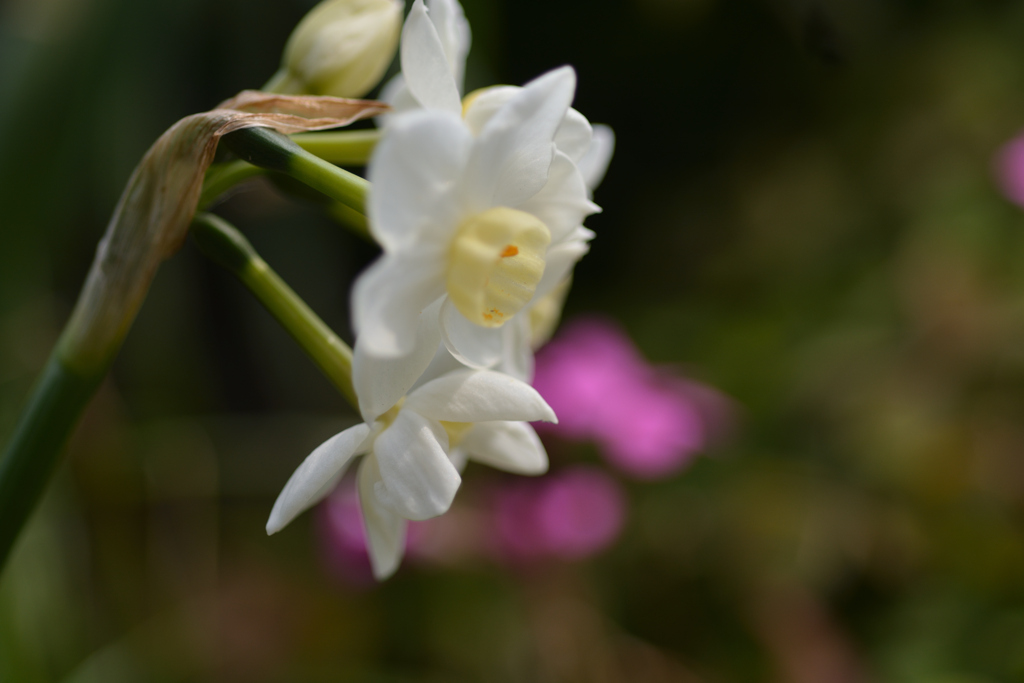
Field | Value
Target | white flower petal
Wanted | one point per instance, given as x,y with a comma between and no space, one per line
425,65
510,446
411,174
560,260
395,93
516,352
470,344
573,137
595,162
315,476
389,297
459,457
385,530
453,30
564,201
381,382
485,103
419,478
478,396
509,163
442,363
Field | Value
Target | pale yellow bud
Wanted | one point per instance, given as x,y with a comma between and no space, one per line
341,48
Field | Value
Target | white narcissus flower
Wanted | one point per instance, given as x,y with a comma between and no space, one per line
485,222
407,472
435,41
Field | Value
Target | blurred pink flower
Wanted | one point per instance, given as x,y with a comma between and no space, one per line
1009,163
647,421
571,514
343,538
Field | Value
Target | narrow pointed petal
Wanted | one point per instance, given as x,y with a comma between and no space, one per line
478,396
425,65
516,352
595,162
385,530
561,258
453,30
381,382
314,477
573,137
419,479
388,299
510,446
420,156
470,344
509,164
564,201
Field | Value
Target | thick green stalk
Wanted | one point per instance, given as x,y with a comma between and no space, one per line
219,240
222,177
54,406
342,147
352,219
271,150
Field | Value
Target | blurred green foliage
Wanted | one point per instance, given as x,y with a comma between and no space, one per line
801,212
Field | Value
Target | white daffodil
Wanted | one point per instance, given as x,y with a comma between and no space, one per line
407,472
483,221
435,41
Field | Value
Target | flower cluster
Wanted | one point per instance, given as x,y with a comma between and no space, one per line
478,204
647,421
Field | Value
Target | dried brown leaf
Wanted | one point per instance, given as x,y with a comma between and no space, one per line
153,215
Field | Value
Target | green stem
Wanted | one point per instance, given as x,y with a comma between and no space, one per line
269,149
223,243
54,406
351,219
343,147
222,177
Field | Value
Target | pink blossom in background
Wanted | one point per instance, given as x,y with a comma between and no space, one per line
1009,163
647,421
572,514
340,523
587,362
660,430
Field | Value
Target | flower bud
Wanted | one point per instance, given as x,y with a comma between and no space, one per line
341,48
